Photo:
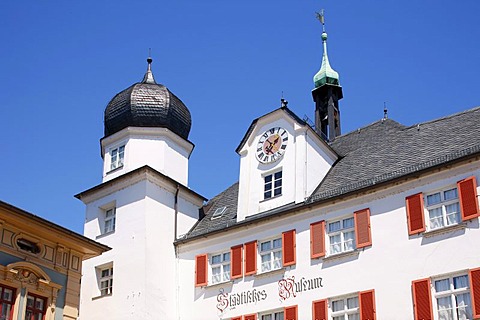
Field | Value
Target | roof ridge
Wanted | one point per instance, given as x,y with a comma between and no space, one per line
444,117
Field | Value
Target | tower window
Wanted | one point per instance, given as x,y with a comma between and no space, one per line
35,307
105,280
28,245
109,222
116,157
272,185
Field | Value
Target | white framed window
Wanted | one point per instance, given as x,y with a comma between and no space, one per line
341,235
272,185
452,298
278,315
109,220
220,266
117,156
346,308
443,208
271,254
105,281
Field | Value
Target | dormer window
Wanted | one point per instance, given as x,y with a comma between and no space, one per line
273,185
218,213
116,157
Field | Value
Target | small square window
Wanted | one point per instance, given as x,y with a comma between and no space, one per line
452,297
341,235
109,220
271,255
220,266
117,156
345,308
272,185
105,280
443,208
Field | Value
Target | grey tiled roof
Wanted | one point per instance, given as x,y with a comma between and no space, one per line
380,152
147,105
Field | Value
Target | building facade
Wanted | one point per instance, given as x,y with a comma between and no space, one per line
378,223
40,267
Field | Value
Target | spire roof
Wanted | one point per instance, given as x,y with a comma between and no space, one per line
326,74
148,77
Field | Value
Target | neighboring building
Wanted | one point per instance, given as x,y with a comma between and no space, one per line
380,223
40,266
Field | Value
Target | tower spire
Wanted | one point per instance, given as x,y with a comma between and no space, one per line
326,74
326,94
148,77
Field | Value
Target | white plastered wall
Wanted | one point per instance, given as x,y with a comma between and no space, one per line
389,266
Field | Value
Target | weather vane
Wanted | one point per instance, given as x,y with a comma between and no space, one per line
321,18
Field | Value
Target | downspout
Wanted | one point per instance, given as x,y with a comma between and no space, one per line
175,232
175,208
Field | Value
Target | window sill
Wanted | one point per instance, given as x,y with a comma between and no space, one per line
455,227
116,169
104,234
274,197
213,285
100,297
269,273
341,255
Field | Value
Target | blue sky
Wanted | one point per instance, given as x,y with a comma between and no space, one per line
62,61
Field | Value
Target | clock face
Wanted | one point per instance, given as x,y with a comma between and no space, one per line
271,145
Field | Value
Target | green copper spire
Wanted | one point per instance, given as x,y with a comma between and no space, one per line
326,73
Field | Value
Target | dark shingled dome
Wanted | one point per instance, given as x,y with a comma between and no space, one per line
147,104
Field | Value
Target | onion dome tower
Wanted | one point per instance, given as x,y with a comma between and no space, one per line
147,104
326,94
146,125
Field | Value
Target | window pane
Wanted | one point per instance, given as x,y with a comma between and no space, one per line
278,175
460,282
334,226
277,192
349,240
279,316
352,303
464,310
348,223
338,305
226,272
355,316
445,308
434,199
226,256
268,186
453,213
436,218
442,285
216,259
267,195
277,260
268,178
265,246
277,243
278,183
450,194
267,317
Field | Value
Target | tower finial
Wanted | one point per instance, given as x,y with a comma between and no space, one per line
148,78
385,111
321,18
326,73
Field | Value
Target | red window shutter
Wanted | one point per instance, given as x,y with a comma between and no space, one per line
319,311
422,299
363,234
201,274
367,305
288,248
236,262
474,276
415,213
237,318
250,317
467,192
290,313
317,239
250,258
